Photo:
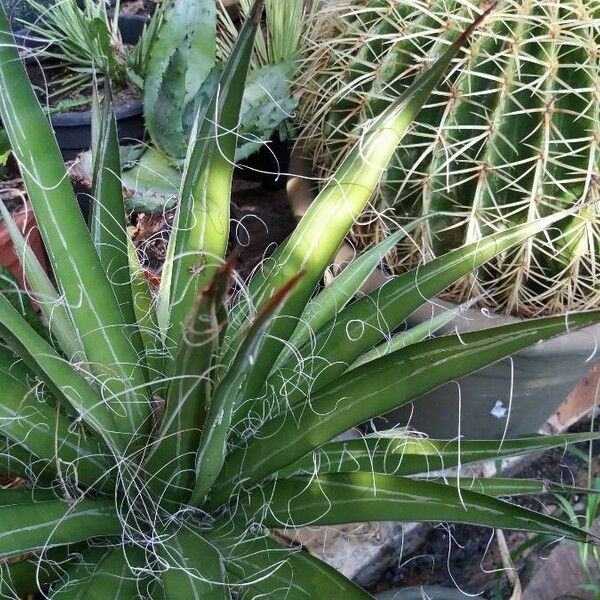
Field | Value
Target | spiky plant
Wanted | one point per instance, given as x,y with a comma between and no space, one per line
510,135
157,442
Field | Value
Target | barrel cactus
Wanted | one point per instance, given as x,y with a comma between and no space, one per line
510,135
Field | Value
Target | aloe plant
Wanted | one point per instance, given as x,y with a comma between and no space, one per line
158,440
509,136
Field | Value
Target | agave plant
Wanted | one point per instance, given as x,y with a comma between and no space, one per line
156,442
509,136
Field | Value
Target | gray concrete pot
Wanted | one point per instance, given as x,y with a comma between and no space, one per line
514,396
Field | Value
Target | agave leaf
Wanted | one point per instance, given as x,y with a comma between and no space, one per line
193,568
20,579
378,387
89,296
17,463
313,244
362,497
397,455
42,431
30,526
44,292
63,381
202,218
189,392
264,568
329,302
108,223
506,486
359,327
415,334
103,573
213,442
143,305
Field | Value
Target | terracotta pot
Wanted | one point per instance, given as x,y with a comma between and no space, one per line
8,258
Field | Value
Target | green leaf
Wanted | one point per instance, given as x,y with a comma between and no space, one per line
362,497
103,573
394,454
201,228
369,320
23,578
87,291
264,568
30,526
43,432
329,302
378,387
314,242
213,442
17,463
191,568
507,486
189,392
63,381
108,223
44,292
415,334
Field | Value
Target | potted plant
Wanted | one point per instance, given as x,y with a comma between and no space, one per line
509,136
70,43
151,465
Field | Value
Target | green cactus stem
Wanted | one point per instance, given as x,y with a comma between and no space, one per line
512,134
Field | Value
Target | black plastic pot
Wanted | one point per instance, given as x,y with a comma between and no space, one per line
73,129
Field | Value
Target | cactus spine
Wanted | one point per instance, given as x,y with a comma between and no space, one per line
512,134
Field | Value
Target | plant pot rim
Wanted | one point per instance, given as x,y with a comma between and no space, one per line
581,341
84,117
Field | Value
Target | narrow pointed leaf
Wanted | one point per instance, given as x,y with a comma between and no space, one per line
201,229
29,527
63,381
87,291
415,334
362,497
264,568
213,442
103,573
378,387
314,242
145,314
369,320
44,292
42,431
192,568
329,302
108,224
506,486
396,455
189,391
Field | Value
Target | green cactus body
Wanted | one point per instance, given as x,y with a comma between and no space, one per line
511,135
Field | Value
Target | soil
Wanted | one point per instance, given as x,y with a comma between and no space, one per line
48,80
12,193
468,557
261,220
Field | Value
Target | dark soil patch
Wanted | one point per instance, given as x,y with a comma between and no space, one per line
260,221
468,557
